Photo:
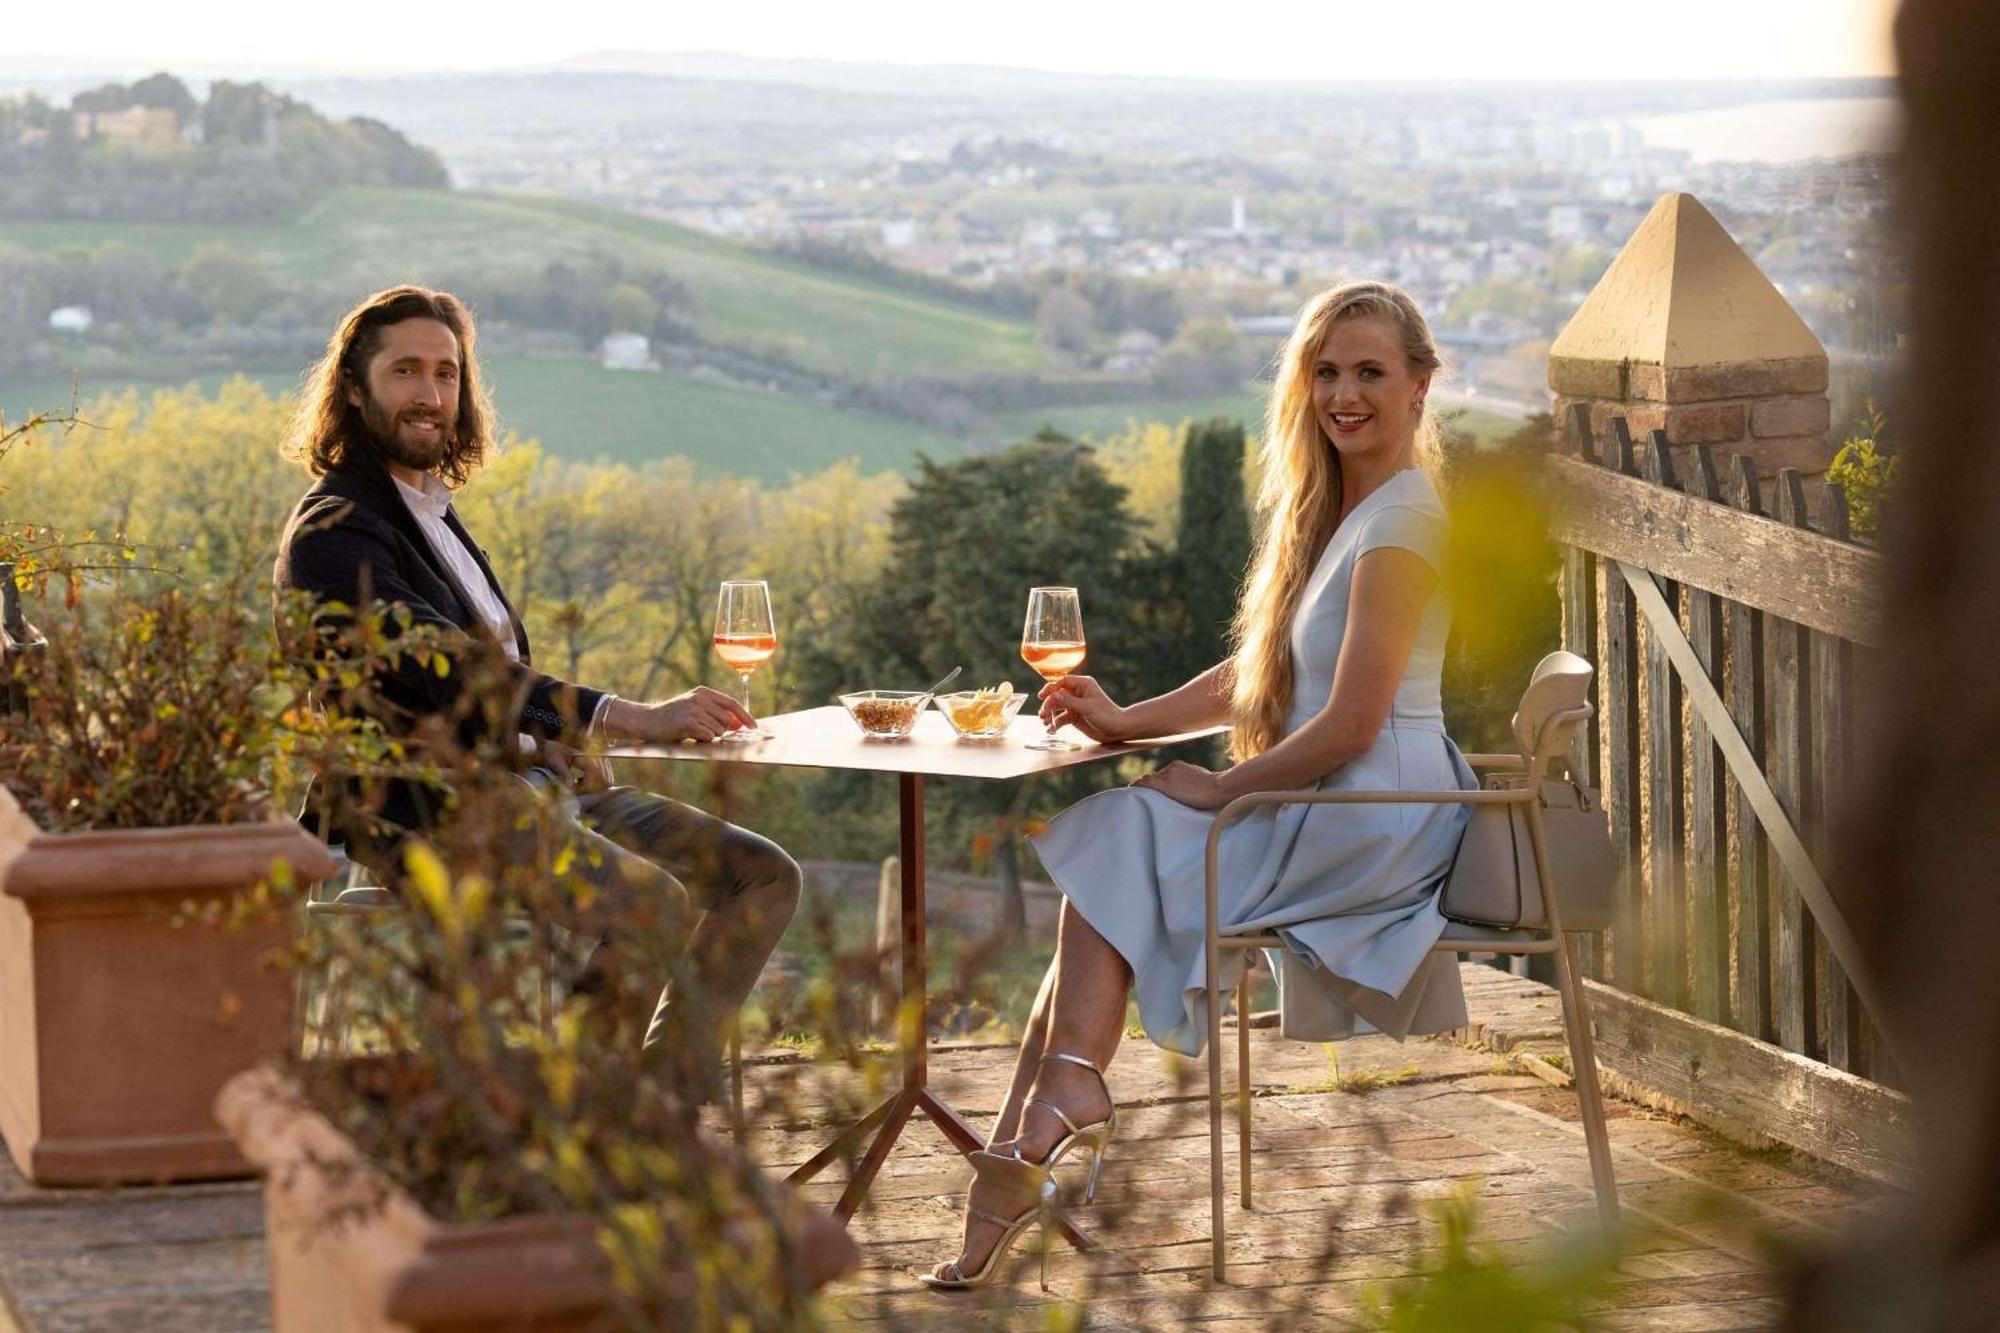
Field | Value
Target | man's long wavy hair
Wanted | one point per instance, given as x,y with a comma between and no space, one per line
1299,503
327,429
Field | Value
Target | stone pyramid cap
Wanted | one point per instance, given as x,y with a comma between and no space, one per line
1681,296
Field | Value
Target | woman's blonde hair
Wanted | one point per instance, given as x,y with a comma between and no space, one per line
1299,502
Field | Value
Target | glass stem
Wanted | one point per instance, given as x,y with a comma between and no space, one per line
745,700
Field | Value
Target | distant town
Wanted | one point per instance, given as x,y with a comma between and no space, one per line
1154,231
1496,205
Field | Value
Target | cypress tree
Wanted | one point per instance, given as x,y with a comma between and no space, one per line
1213,543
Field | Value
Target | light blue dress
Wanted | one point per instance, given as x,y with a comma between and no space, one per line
1352,889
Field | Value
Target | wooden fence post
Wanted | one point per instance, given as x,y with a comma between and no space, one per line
1748,697
1794,991
1666,884
1708,790
1832,707
1621,731
888,945
1579,635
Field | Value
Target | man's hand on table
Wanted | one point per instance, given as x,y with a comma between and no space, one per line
701,714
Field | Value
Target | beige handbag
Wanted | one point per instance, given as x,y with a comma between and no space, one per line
1493,882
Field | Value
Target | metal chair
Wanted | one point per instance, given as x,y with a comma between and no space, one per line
355,894
1545,726
351,891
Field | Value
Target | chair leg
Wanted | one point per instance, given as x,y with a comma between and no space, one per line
546,996
1243,1076
333,1034
303,1013
1583,1059
1217,1233
736,1073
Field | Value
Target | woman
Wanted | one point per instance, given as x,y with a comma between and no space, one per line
1333,684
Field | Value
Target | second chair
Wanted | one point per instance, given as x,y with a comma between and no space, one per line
1555,705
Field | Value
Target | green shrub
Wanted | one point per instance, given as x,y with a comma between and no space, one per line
1867,471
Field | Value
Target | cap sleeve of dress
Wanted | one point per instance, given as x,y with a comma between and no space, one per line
1408,527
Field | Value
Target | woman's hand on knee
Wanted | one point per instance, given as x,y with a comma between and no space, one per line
1190,784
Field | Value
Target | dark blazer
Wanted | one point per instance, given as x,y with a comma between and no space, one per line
351,539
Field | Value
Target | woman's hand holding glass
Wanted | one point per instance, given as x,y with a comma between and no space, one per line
1080,702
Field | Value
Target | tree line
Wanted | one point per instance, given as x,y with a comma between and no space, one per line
878,581
227,307
243,153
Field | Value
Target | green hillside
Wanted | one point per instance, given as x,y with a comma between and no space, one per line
579,410
364,238
1098,420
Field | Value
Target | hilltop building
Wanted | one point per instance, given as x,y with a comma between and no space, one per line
148,126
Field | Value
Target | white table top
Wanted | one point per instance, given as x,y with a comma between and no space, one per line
828,738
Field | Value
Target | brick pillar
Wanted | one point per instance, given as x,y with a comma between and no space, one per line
1684,333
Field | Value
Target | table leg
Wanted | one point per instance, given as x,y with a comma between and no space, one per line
826,1156
878,1152
912,1019
913,1034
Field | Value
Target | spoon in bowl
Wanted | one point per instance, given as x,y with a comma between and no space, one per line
949,677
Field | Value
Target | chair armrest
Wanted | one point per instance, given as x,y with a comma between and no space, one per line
1496,761
1249,801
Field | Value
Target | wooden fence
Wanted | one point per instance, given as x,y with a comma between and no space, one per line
1726,622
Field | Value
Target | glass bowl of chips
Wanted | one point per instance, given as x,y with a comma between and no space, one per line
979,715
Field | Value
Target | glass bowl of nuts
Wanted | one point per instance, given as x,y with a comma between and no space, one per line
885,714
980,715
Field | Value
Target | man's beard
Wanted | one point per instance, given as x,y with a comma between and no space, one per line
382,430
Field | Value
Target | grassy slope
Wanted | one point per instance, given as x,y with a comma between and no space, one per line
364,238
1099,420
578,410
368,238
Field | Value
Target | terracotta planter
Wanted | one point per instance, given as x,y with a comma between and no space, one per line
120,1018
351,1253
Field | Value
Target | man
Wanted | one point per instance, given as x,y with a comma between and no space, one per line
393,418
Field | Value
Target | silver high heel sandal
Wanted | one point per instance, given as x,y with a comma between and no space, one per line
1011,1228
1094,1137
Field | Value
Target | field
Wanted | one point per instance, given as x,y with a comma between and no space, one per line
581,411
361,239
1099,420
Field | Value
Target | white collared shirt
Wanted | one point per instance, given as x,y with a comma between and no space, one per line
428,506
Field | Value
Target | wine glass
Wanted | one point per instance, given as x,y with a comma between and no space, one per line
1052,643
745,636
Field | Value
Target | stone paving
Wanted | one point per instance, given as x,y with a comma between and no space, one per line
1342,1174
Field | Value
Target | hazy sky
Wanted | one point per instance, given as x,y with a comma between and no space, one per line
1331,39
